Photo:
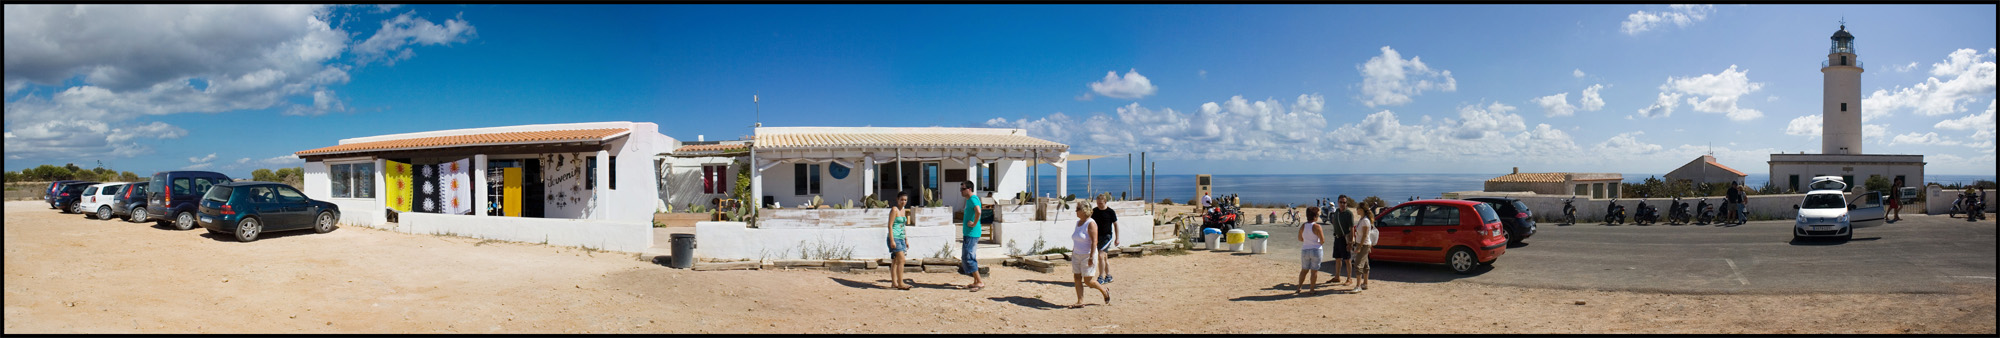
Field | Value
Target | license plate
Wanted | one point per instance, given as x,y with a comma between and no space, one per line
206,219
1823,228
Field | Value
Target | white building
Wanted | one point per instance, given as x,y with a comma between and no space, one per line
557,184
700,172
1706,170
793,164
1840,146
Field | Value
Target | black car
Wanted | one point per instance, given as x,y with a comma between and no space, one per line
70,195
173,196
55,189
249,209
1515,215
131,200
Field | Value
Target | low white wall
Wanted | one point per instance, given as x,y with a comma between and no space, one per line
1937,201
363,212
733,240
612,235
1548,209
1019,237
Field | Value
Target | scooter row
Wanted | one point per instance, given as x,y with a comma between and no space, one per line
1678,213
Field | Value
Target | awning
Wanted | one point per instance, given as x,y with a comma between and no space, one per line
1072,157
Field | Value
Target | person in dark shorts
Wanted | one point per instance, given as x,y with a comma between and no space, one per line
1896,199
1107,235
1343,224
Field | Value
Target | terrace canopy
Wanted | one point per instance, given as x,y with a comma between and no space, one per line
865,148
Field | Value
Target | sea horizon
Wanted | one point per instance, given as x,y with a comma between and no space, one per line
1303,189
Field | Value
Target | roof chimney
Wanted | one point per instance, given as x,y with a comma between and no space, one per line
1517,170
700,138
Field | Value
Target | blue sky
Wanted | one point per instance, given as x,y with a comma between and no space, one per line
1246,89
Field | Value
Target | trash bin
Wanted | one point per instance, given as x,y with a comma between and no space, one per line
1235,239
683,256
1213,238
1258,239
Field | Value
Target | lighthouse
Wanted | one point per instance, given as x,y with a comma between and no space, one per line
1840,133
1841,115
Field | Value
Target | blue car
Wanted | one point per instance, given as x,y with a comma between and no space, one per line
248,209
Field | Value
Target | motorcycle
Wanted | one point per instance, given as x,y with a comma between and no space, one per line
1614,213
1705,214
1569,211
1647,214
1223,216
1974,207
1677,212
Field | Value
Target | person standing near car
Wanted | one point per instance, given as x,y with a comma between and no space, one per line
1310,237
1364,242
968,257
899,216
1107,235
1343,225
1896,199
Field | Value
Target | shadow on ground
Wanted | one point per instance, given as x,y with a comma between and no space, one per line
1035,303
1808,241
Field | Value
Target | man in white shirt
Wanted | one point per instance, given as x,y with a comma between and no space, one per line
1207,202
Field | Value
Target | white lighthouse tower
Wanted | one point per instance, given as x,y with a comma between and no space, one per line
1841,116
1840,127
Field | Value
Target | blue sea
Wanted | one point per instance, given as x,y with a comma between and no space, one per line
1303,189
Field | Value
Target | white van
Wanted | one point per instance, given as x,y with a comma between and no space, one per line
98,196
1826,211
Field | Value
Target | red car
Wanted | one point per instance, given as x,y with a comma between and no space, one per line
1458,233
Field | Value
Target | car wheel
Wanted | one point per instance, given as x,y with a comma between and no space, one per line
104,212
246,230
138,215
184,221
1461,260
325,222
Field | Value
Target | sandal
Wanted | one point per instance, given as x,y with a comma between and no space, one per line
976,288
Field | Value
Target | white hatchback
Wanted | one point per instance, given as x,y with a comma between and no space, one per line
1826,211
98,196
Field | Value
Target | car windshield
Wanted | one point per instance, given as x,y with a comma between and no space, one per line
1823,201
219,194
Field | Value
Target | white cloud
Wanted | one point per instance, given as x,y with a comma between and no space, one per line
202,159
106,66
1772,98
1202,73
1084,97
1808,125
1662,106
1712,93
1678,15
1626,144
1982,121
407,29
1578,73
1970,79
1131,86
1923,139
1555,105
1389,80
1591,101
1906,68
1236,128
287,159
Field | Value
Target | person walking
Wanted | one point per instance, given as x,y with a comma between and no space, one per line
899,216
968,257
1083,243
1896,199
1364,242
1310,237
1343,227
1107,236
1739,198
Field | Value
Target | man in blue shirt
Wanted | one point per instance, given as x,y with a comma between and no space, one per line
968,258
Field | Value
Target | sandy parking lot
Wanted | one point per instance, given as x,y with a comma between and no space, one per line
66,274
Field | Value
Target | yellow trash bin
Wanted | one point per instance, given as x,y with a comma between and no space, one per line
1235,239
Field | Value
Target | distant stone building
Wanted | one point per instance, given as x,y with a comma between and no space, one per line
1706,170
1595,185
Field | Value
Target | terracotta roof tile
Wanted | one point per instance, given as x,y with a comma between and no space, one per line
1724,167
1532,178
698,150
546,136
874,140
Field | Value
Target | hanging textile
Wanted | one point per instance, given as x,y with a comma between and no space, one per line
398,182
455,185
424,197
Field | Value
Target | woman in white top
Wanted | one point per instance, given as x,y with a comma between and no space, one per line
1364,242
1310,238
1083,248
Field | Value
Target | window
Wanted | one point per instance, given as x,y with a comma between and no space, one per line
1440,215
182,184
258,194
1849,179
986,177
287,195
1843,106
954,175
1405,216
201,185
1899,178
931,176
713,180
805,179
613,172
1795,182
1597,190
590,173
1583,189
355,180
1843,62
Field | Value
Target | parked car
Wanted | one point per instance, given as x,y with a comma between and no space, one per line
1459,233
1826,212
1518,219
172,197
96,200
248,209
55,189
131,200
70,194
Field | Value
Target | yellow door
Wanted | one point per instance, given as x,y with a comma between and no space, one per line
510,191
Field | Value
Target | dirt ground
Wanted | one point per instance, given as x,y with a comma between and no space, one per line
66,274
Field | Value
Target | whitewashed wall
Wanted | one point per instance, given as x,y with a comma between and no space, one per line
733,240
612,235
680,180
